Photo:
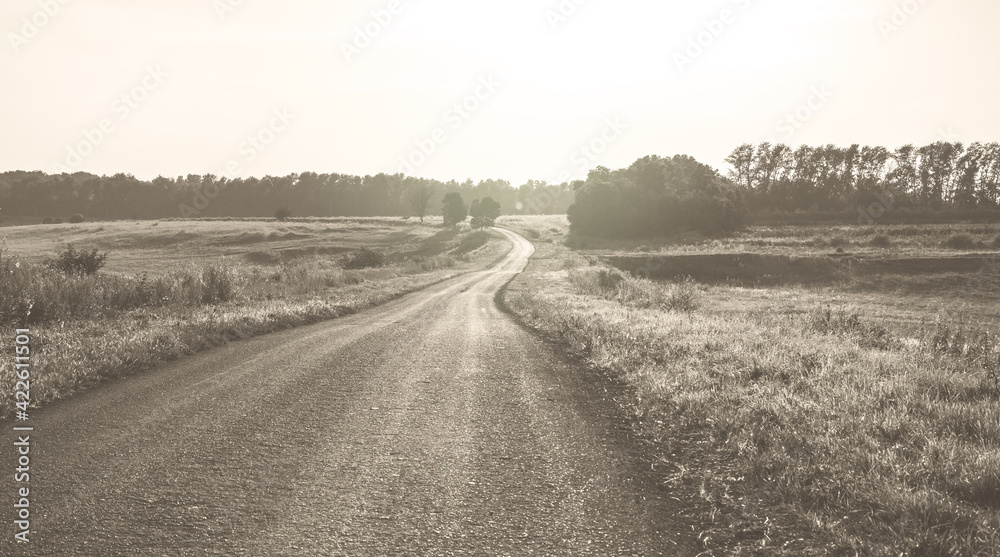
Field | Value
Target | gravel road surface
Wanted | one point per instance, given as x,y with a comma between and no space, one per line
431,425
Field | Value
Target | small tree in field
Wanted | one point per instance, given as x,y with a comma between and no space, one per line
484,212
419,199
282,214
453,208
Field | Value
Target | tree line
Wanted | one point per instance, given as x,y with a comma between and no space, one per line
122,196
657,196
828,178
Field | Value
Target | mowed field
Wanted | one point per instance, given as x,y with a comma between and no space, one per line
826,392
162,246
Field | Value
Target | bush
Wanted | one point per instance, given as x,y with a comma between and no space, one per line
880,240
282,214
838,241
73,262
683,296
48,220
609,279
76,219
959,241
364,258
218,284
534,234
57,221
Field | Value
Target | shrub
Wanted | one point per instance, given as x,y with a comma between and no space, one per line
880,240
609,279
959,241
838,241
57,221
73,262
282,213
534,234
683,296
76,219
48,220
218,284
364,258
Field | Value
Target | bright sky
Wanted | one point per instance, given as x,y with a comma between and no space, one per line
550,88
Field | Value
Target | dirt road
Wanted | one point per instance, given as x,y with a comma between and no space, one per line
432,425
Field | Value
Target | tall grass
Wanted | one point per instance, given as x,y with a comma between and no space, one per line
89,327
33,294
884,447
634,291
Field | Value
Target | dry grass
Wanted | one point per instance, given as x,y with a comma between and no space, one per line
88,328
884,443
923,240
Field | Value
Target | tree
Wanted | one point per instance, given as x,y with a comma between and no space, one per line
282,213
484,212
657,196
453,208
419,197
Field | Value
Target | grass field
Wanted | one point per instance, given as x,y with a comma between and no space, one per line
160,246
176,287
856,416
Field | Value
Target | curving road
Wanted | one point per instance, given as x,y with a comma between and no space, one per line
431,425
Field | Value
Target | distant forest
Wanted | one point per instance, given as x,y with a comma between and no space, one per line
808,182
123,196
828,178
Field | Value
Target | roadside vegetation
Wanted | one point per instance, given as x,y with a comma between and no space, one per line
90,324
925,239
808,419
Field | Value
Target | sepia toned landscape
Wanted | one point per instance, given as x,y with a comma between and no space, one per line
570,277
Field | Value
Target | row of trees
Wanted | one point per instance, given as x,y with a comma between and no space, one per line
657,196
484,212
123,196
831,178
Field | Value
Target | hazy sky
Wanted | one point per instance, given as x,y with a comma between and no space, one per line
517,90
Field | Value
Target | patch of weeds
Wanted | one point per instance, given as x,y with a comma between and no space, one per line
364,258
850,325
